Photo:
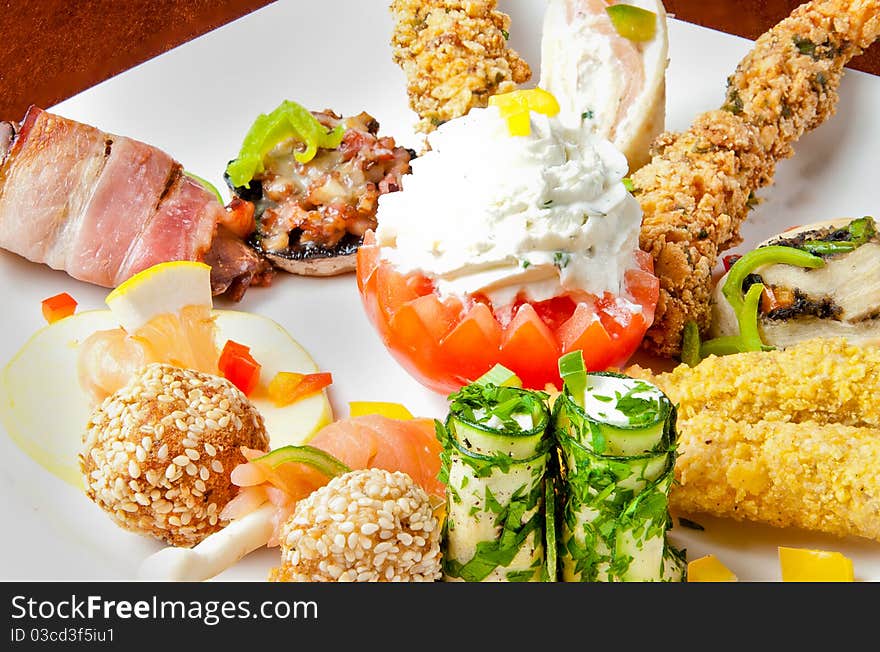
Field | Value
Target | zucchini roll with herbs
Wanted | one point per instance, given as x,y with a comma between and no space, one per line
496,453
617,439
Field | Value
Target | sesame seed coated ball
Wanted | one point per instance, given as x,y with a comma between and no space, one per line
157,453
368,525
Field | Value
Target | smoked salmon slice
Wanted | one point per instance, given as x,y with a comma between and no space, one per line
368,441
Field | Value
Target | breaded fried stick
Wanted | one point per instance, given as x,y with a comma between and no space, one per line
790,438
808,475
824,380
698,187
455,56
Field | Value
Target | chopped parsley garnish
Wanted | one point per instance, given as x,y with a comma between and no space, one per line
734,102
805,46
862,230
752,201
816,51
561,259
638,410
587,115
505,34
628,184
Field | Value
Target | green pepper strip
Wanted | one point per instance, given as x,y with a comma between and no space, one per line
574,374
748,319
690,344
823,248
749,339
725,345
732,288
309,455
268,130
207,185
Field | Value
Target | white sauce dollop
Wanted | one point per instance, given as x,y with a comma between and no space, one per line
486,212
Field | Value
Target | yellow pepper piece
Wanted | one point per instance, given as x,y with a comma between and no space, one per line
709,569
805,565
282,386
519,123
515,107
390,410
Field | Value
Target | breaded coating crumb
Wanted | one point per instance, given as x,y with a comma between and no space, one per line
455,56
808,475
823,380
790,438
698,188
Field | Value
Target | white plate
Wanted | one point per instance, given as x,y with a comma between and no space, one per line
197,101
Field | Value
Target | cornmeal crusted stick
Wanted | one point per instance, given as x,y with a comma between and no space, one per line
698,187
821,380
787,438
808,475
455,56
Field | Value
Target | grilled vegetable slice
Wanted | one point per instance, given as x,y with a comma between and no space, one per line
819,280
617,439
496,452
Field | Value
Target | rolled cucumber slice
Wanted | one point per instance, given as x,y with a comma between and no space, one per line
496,452
617,444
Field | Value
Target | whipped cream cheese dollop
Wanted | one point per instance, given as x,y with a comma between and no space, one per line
484,212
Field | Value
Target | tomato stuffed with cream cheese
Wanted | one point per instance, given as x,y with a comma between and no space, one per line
511,242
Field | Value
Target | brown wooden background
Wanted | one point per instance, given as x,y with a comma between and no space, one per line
52,49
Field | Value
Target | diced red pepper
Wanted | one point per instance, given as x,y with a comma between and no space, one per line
239,367
289,387
729,260
58,307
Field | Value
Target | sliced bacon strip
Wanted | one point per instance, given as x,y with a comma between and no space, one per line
122,203
180,229
97,206
46,180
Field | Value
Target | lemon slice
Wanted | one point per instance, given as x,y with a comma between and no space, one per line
44,408
166,288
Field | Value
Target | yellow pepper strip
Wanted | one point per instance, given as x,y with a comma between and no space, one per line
709,569
516,106
390,410
805,565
